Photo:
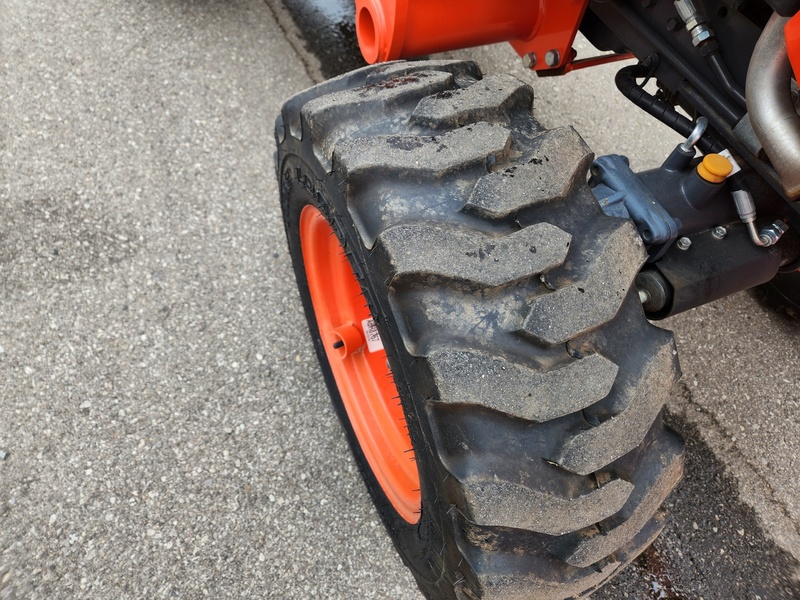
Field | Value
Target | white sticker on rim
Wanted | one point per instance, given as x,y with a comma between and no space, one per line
374,343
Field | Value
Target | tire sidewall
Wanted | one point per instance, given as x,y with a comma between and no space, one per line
304,182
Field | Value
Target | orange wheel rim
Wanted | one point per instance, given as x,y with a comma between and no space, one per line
359,365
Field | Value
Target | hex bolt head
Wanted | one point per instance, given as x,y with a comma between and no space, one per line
672,24
529,60
719,233
552,58
683,243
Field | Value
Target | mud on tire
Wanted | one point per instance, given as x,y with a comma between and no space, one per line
531,383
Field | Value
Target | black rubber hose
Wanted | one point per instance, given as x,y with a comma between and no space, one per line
626,83
724,76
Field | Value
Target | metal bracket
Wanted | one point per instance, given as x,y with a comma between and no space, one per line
621,194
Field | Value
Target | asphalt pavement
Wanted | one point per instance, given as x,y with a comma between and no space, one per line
164,430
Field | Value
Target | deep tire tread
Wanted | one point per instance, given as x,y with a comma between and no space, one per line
542,381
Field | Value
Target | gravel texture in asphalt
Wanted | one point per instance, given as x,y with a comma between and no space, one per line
167,430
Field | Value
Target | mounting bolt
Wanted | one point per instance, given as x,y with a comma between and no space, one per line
719,233
529,60
683,243
552,58
672,24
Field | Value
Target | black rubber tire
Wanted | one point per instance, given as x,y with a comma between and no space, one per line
531,381
782,294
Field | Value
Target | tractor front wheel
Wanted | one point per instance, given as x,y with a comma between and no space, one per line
474,315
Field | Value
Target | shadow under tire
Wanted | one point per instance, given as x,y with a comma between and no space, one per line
498,300
782,294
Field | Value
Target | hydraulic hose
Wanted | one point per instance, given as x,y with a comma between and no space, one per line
725,78
703,39
626,83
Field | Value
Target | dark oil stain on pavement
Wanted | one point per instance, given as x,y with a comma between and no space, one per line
651,565
329,31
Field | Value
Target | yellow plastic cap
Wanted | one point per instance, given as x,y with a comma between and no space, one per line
714,168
